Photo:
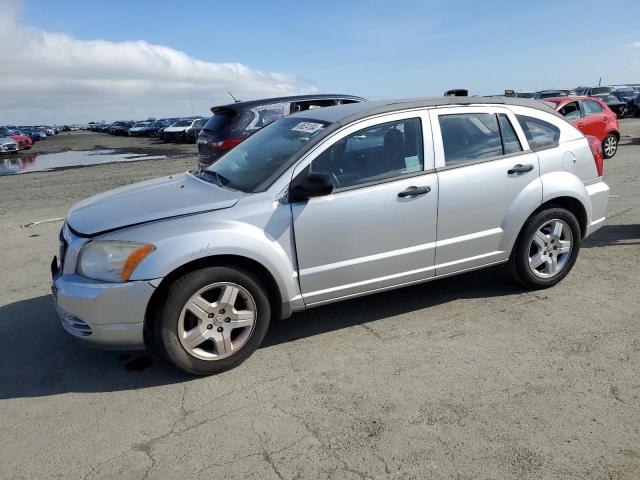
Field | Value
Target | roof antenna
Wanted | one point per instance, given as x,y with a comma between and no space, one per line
234,98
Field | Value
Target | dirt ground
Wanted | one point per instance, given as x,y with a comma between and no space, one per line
464,378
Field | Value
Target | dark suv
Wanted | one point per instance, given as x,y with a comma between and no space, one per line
231,124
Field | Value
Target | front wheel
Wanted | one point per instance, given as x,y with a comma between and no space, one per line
212,320
610,145
546,249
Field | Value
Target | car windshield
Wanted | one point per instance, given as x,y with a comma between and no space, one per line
181,123
199,123
141,124
265,152
597,90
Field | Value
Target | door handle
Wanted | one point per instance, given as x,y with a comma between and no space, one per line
414,191
519,168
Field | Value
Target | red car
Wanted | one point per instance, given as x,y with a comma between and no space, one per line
592,117
24,142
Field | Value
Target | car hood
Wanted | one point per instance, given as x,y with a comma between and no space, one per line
159,199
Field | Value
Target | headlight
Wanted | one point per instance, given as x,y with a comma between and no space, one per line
111,261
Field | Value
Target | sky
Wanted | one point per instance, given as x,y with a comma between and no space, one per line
69,61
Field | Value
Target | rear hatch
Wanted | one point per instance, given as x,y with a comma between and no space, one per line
219,130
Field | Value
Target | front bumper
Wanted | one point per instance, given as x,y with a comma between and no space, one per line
108,315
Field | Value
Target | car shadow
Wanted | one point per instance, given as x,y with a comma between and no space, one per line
611,235
39,359
491,282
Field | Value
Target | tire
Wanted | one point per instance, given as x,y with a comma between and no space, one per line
176,325
528,250
610,145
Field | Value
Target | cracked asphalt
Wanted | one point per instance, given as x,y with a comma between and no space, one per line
465,378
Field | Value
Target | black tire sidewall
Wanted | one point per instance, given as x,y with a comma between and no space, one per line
520,258
165,334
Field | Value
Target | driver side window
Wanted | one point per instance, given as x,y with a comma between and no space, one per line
374,154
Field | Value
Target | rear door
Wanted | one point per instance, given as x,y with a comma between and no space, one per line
484,164
378,227
594,119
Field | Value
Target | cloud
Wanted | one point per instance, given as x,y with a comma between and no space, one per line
53,77
635,44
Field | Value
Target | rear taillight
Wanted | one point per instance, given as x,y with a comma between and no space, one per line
596,150
225,144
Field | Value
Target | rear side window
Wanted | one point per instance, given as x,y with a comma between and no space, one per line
311,104
540,134
262,115
470,137
592,108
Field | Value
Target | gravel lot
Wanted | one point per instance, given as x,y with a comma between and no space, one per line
465,378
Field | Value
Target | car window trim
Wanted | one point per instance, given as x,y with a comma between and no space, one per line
504,149
484,160
384,180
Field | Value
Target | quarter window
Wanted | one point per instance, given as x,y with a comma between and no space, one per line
540,134
592,108
374,154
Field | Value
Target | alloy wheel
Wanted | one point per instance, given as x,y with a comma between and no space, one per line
550,248
610,146
217,321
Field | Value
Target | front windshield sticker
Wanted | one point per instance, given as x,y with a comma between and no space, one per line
307,127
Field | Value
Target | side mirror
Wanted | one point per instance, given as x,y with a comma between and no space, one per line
310,184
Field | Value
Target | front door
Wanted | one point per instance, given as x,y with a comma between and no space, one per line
378,227
482,168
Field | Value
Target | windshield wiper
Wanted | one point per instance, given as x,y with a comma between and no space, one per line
221,180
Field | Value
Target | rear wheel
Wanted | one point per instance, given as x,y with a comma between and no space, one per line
213,319
609,145
546,249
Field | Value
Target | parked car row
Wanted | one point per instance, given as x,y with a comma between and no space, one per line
14,138
23,142
168,129
622,99
228,126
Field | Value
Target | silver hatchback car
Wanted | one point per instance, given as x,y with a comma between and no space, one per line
322,206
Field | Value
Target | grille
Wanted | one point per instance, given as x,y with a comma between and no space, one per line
75,326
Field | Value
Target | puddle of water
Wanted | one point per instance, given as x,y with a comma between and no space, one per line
25,162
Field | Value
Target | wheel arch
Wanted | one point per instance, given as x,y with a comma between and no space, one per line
279,309
572,204
615,134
